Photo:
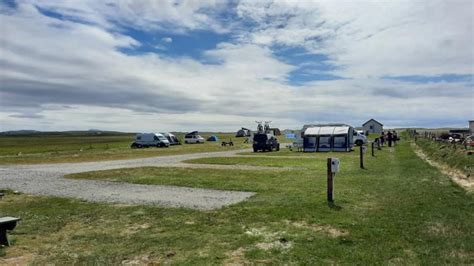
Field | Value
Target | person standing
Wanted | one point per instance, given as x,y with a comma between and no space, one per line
382,138
389,138
395,137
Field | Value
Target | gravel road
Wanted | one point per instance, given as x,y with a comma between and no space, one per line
48,180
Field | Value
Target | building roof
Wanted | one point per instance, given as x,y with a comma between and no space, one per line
372,120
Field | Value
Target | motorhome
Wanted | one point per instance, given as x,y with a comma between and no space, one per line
145,140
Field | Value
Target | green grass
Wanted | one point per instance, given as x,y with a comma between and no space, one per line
399,210
445,153
81,148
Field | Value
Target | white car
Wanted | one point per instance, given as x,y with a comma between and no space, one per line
145,140
359,138
193,138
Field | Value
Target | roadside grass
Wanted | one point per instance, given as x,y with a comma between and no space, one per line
397,211
315,161
445,153
85,148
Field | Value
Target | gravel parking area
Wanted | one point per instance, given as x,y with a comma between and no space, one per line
48,180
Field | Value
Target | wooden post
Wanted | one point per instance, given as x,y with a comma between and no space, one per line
373,152
361,157
330,182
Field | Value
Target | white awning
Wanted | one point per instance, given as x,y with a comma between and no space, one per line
341,130
312,131
326,130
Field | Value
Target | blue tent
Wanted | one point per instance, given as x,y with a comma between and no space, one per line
213,138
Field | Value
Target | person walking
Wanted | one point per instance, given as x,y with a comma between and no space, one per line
395,137
389,138
382,138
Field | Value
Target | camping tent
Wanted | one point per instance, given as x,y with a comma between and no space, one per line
243,132
213,138
332,137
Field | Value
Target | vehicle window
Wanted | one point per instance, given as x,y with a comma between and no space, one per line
155,138
139,137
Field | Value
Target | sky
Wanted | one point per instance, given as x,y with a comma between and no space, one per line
214,65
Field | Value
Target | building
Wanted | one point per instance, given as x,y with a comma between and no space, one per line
471,126
372,126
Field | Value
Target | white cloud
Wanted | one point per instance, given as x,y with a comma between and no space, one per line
167,39
178,16
57,74
371,38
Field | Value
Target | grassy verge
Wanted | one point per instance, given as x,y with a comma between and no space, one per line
72,148
445,153
399,210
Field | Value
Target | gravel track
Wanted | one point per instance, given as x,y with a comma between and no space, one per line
48,180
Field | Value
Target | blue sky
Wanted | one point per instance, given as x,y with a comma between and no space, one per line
220,65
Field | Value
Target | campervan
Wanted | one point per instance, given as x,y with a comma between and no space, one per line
145,140
171,138
193,137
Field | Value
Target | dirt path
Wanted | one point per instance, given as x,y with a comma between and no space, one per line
48,180
457,176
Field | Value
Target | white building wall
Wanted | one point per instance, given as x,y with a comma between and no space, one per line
471,126
373,127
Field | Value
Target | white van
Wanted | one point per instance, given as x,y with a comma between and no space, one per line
359,138
145,140
193,137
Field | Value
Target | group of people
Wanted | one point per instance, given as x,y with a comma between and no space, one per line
391,138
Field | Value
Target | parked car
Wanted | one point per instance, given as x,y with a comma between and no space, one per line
265,142
193,137
359,139
145,140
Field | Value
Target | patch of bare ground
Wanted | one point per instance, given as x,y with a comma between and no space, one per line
134,228
17,259
466,182
270,240
141,260
440,229
236,257
326,229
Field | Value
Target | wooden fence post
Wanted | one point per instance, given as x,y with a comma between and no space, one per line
330,182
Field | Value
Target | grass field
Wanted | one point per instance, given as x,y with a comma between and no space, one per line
399,210
59,148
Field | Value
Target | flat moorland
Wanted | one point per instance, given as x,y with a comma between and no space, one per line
60,148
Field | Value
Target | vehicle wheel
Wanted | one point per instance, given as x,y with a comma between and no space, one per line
278,148
133,146
358,142
139,146
186,142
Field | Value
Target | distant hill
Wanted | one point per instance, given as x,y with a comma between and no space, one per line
90,132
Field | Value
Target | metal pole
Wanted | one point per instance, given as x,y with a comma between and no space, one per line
330,182
361,157
373,152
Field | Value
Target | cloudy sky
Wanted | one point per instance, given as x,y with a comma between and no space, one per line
217,65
